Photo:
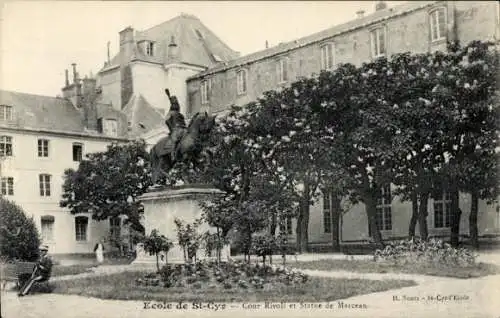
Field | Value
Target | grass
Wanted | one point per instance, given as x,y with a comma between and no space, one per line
368,266
59,270
122,286
63,270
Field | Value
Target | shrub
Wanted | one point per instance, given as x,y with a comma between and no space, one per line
156,243
431,252
19,238
188,238
264,245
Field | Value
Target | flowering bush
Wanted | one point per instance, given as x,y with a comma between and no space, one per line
225,276
432,252
264,245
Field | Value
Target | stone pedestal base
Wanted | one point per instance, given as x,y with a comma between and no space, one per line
161,207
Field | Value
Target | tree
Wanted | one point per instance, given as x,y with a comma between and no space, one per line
188,238
156,243
356,121
473,110
107,184
19,238
287,128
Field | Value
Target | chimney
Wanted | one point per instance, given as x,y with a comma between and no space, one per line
88,102
173,50
381,5
73,91
126,44
267,44
66,81
360,13
75,74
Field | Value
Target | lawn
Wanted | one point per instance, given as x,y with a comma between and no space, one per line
63,270
368,266
123,286
59,270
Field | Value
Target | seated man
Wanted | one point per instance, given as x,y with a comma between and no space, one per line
41,272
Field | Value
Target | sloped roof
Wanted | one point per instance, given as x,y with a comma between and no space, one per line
197,44
50,114
142,117
375,17
42,112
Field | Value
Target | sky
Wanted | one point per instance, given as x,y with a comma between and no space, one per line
39,40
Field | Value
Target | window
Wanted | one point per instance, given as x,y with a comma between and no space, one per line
44,185
5,112
205,89
442,209
5,146
150,48
327,213
377,38
47,228
438,24
43,148
110,127
282,70
198,33
77,152
286,226
7,186
327,56
384,214
81,223
114,227
241,82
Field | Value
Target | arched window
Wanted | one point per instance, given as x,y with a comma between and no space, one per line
47,222
81,225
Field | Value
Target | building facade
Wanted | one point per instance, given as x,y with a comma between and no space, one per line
417,27
41,137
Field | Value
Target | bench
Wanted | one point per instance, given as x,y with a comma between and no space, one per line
19,272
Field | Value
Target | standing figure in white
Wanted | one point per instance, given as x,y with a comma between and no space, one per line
99,252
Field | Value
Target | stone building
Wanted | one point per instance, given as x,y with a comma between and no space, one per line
40,137
419,26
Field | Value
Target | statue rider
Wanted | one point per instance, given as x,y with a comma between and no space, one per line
176,124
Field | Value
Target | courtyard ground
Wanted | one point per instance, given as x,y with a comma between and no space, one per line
432,297
473,298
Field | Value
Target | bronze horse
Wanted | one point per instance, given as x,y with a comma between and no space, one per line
189,149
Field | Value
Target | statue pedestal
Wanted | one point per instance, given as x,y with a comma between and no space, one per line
161,207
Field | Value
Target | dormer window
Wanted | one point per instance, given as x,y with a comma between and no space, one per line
5,112
150,46
198,33
110,127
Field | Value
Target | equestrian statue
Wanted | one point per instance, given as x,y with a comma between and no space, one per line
183,144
